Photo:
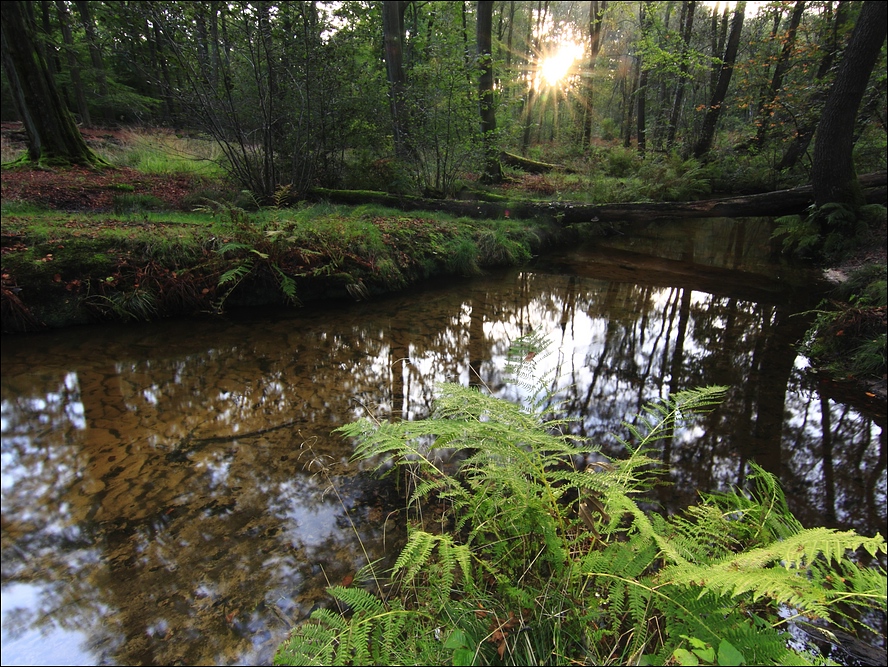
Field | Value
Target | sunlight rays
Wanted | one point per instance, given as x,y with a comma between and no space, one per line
555,67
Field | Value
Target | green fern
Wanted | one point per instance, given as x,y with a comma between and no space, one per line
545,564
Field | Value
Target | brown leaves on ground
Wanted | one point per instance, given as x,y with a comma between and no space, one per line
83,189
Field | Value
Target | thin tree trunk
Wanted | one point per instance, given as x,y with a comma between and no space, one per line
630,90
596,14
393,31
768,105
532,61
641,113
215,59
806,129
719,37
641,91
687,23
493,171
95,55
721,89
507,88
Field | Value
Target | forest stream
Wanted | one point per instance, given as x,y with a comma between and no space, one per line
172,492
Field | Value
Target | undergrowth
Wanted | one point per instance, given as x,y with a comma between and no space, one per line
830,231
520,558
848,337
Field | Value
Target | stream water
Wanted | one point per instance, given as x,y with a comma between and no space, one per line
172,492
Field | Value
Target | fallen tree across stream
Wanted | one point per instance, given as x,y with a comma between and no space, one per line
777,203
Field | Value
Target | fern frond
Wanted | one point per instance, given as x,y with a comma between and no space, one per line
780,571
415,554
237,274
659,418
311,643
232,246
287,284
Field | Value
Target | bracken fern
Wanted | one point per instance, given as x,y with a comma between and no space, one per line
541,563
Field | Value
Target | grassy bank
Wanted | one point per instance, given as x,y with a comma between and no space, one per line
64,268
165,234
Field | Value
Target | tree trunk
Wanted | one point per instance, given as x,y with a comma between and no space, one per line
808,126
721,88
393,35
630,89
510,78
687,25
532,166
533,45
73,67
493,171
641,113
782,202
95,55
641,91
596,14
833,174
768,105
719,37
52,133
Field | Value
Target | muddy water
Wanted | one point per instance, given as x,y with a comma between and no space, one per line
172,493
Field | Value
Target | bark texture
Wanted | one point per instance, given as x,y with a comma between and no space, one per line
833,174
52,133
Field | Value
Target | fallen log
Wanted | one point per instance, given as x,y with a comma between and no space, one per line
780,202
532,166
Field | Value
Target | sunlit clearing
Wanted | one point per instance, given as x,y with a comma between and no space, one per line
554,68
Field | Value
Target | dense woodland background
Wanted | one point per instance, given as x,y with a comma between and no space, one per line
420,96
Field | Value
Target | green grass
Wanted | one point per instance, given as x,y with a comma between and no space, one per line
140,263
165,153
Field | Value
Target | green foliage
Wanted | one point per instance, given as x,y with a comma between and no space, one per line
536,562
830,231
676,179
799,233
622,162
137,305
848,337
255,252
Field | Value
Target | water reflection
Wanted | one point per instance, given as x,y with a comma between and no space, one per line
158,505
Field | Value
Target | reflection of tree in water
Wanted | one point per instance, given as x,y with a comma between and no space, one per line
166,569
161,500
836,465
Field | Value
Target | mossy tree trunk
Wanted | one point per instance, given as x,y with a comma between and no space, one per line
52,133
